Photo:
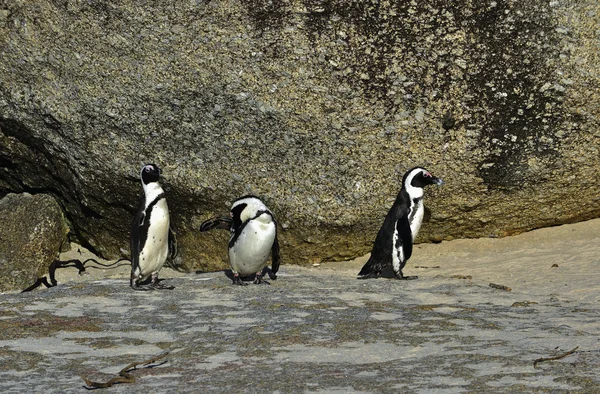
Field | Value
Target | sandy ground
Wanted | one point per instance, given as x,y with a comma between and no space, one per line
320,330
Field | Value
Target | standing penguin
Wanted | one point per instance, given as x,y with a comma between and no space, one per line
394,241
253,236
152,240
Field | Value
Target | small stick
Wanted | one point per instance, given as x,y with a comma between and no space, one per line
124,375
56,264
500,287
563,355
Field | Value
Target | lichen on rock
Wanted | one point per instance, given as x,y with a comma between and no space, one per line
318,107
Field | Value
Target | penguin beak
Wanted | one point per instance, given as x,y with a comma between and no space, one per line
438,181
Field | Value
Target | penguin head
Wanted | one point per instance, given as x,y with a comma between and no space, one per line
150,173
417,178
246,208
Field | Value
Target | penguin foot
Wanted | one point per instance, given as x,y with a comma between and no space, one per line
139,287
136,283
238,281
159,286
156,285
259,280
410,277
269,272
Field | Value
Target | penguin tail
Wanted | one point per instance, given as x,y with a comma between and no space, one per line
371,269
218,222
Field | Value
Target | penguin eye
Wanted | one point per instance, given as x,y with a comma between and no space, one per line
147,168
427,175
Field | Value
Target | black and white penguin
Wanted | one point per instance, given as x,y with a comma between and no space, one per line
152,240
394,242
253,236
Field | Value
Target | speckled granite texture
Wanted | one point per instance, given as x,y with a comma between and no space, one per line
318,107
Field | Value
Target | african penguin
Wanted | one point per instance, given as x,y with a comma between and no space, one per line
394,241
253,236
152,240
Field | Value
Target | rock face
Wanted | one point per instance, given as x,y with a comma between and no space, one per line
318,107
32,233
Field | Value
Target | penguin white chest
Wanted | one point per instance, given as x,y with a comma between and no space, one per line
415,218
250,252
156,248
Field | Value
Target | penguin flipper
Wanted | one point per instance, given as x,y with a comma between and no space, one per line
134,245
173,250
403,242
275,257
224,223
405,235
